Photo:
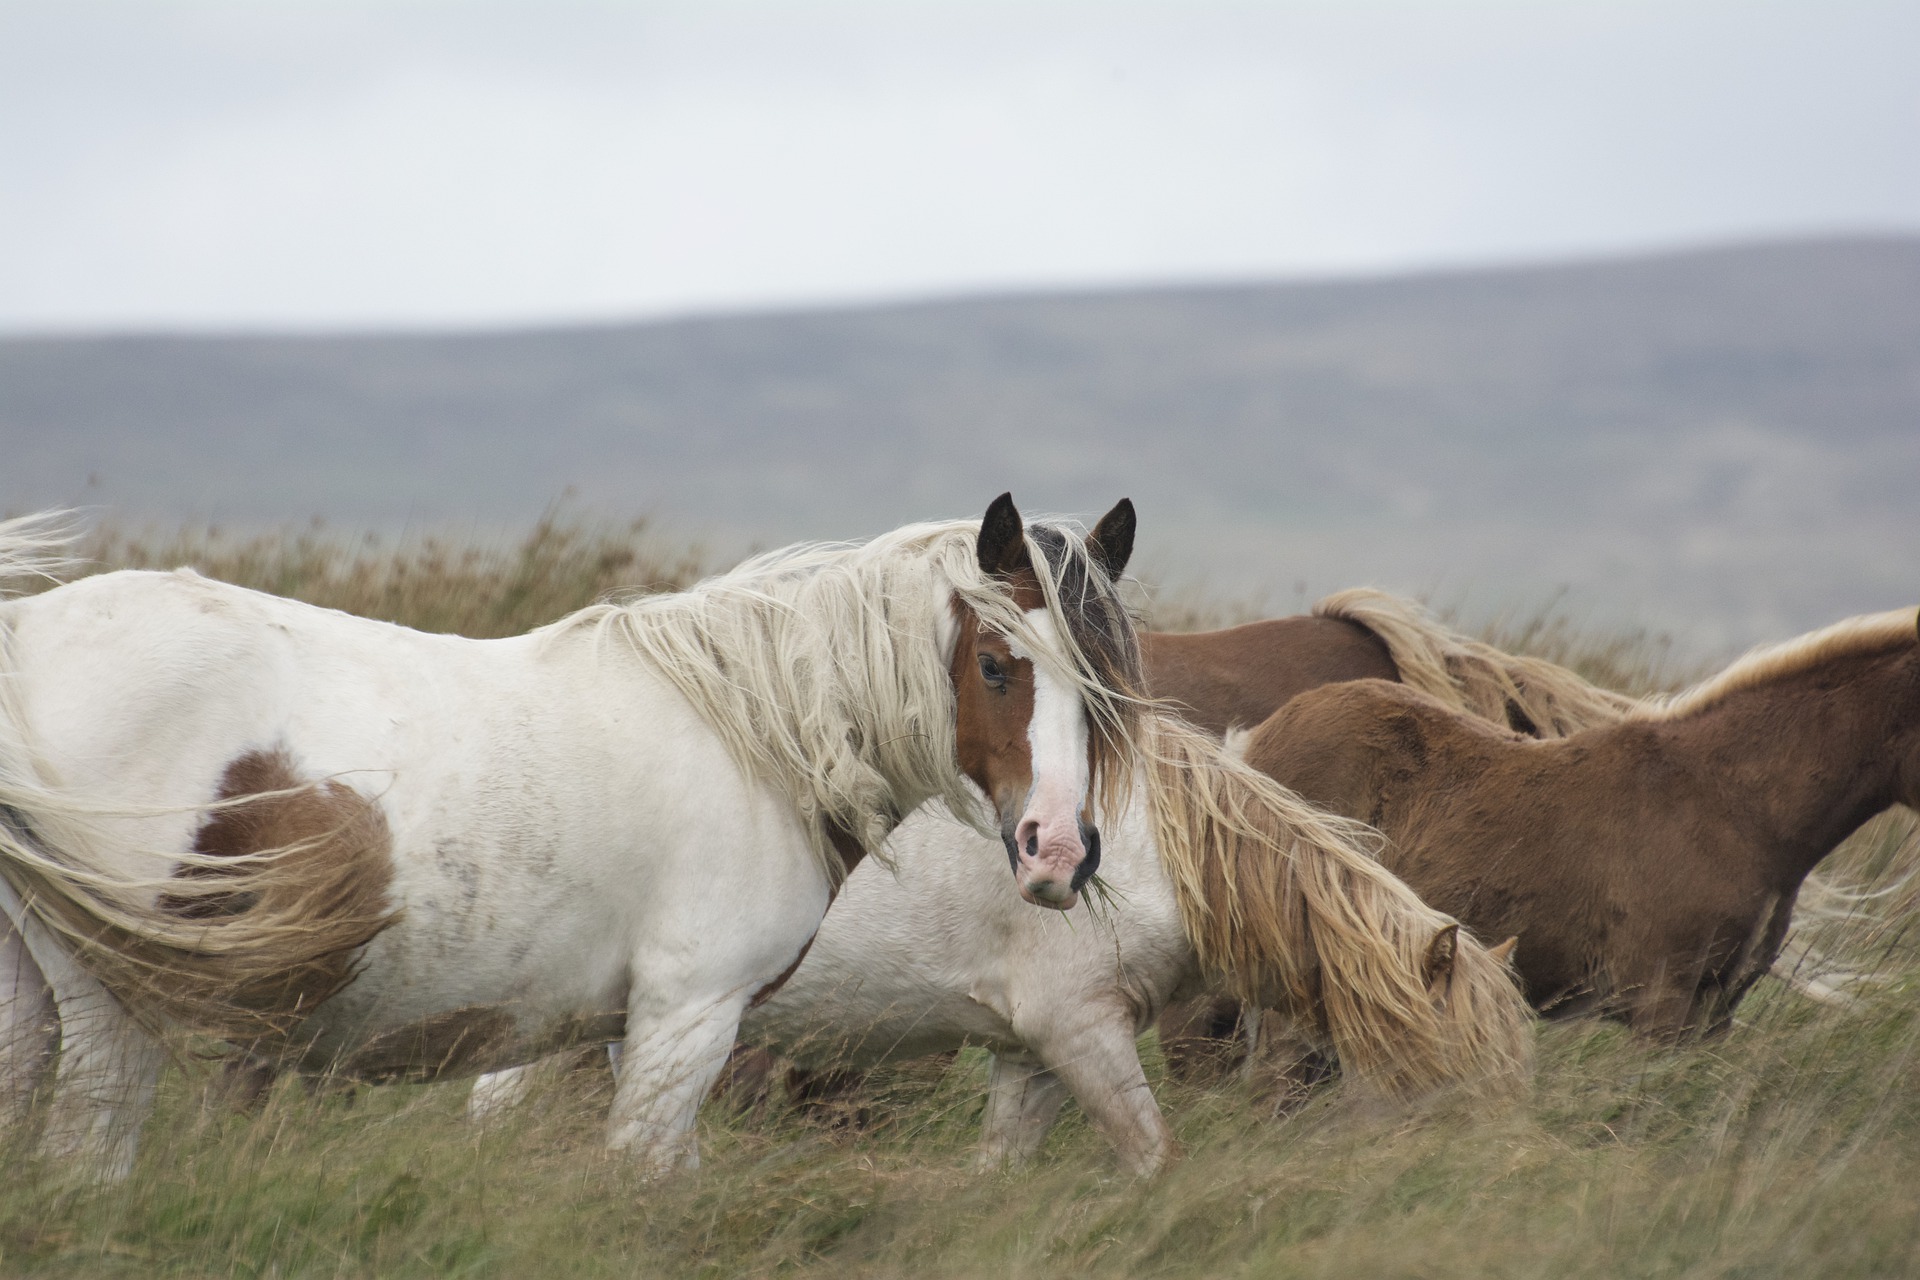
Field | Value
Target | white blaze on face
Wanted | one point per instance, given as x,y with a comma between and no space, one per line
1048,835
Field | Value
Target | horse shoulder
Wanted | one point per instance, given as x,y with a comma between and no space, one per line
1334,745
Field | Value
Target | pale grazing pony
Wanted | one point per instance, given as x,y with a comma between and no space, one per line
1215,874
398,855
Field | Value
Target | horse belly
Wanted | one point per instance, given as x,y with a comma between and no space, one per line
529,930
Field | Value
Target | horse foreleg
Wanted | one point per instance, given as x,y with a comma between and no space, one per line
1023,1100
668,1062
29,1026
1100,1062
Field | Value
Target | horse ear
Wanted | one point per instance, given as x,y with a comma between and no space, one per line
1503,954
1111,542
1440,955
1002,547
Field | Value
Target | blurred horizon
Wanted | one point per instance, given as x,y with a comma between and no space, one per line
1721,444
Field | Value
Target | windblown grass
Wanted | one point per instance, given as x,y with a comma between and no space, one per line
477,589
1788,1147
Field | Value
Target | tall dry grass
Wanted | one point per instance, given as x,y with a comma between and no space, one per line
481,589
1787,1147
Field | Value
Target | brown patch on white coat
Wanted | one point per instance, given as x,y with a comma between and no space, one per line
286,880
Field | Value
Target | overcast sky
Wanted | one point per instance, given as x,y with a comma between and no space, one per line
341,164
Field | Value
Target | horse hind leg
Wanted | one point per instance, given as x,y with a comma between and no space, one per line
29,1027
107,1065
1023,1100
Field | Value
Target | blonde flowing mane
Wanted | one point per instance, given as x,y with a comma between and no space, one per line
1289,908
1471,676
817,666
1863,636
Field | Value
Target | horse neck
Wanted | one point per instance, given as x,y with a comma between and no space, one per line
1812,755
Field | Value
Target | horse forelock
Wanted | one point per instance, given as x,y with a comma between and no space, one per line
1860,637
1103,651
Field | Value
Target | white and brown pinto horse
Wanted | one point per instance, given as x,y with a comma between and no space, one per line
399,856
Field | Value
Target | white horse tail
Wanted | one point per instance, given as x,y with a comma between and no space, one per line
242,934
1473,677
1290,908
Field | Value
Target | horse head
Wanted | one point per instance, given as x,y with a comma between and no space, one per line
1023,729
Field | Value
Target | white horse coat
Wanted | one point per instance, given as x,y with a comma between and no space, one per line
935,958
940,956
573,845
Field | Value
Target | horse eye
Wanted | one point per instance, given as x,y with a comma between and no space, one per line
990,671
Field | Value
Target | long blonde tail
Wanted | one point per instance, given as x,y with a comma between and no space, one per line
1472,676
1289,908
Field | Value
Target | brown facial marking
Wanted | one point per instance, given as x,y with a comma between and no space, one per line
1441,954
993,706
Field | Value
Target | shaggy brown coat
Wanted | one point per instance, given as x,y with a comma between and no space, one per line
1649,867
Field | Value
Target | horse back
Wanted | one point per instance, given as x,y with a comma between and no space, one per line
1242,675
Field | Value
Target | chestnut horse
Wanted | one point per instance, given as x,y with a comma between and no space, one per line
399,856
1649,867
1234,679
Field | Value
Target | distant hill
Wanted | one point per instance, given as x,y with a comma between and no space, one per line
1725,442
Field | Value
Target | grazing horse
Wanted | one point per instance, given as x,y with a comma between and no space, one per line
1215,873
363,849
1650,866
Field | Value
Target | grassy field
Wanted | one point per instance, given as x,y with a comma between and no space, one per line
1788,1147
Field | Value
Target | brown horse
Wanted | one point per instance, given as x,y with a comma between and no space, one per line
1649,867
1225,680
